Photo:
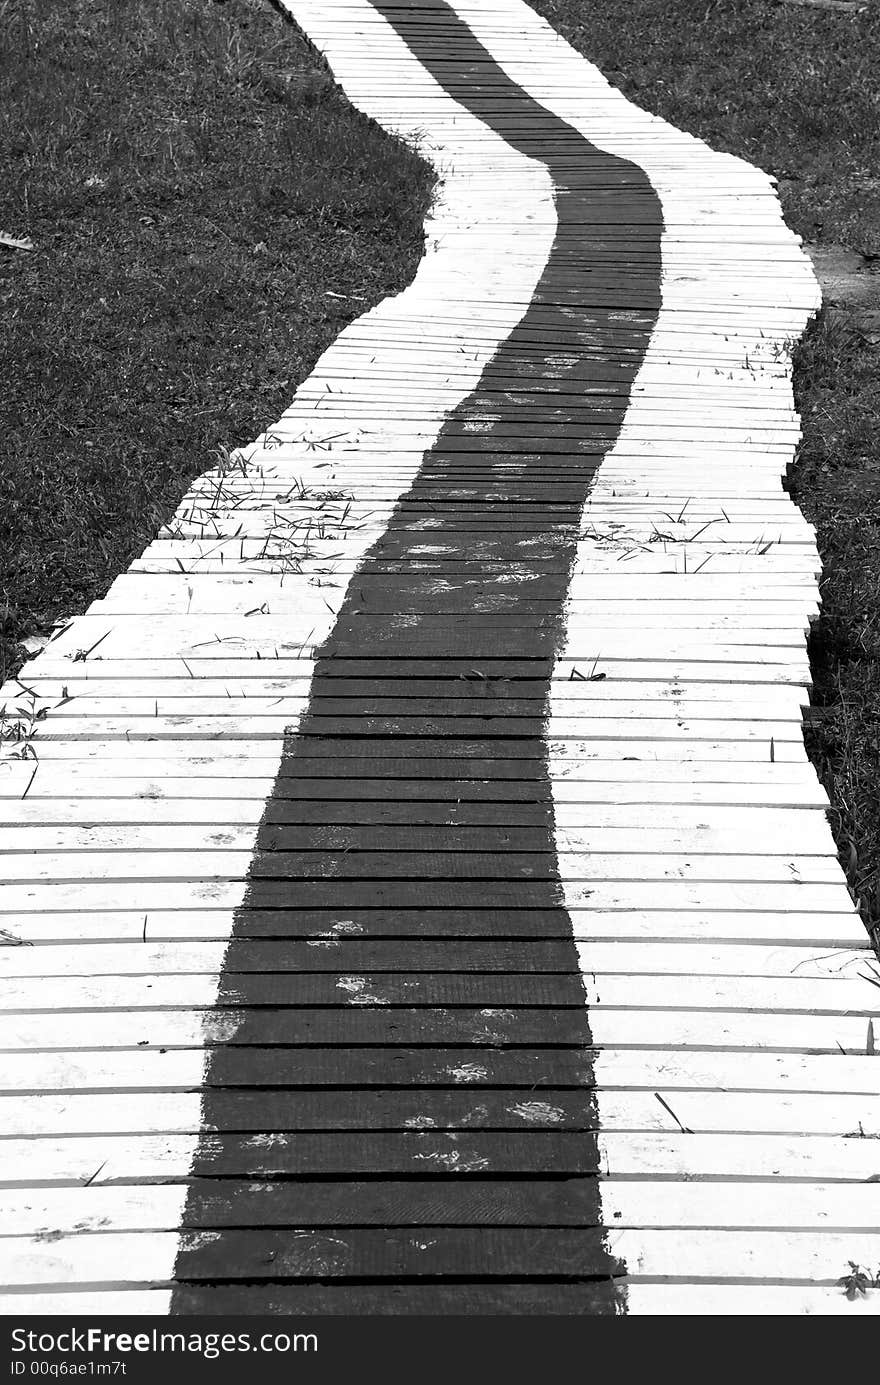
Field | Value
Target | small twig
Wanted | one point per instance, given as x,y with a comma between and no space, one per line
843,6
89,1181
685,1130
82,654
8,939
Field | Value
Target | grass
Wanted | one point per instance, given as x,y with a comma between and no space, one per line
795,91
207,213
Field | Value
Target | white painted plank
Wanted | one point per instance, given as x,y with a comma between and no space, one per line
832,1207
181,1113
720,1299
149,1258
648,1069
841,934
638,1028
628,953
111,1159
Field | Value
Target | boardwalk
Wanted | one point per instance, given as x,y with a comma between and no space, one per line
422,897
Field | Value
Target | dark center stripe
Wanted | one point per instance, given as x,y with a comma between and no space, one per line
399,1113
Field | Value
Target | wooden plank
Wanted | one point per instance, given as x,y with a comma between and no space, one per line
484,1028
425,1202
167,799
551,989
745,1300
840,938
144,892
651,1069
75,1160
286,1300
688,1298
348,1111
399,1254
337,945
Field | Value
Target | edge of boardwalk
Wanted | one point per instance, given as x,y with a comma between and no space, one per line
719,948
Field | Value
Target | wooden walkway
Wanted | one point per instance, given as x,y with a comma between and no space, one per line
417,893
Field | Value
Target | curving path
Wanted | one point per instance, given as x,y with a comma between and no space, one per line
431,906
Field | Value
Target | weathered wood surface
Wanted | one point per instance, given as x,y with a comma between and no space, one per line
417,896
